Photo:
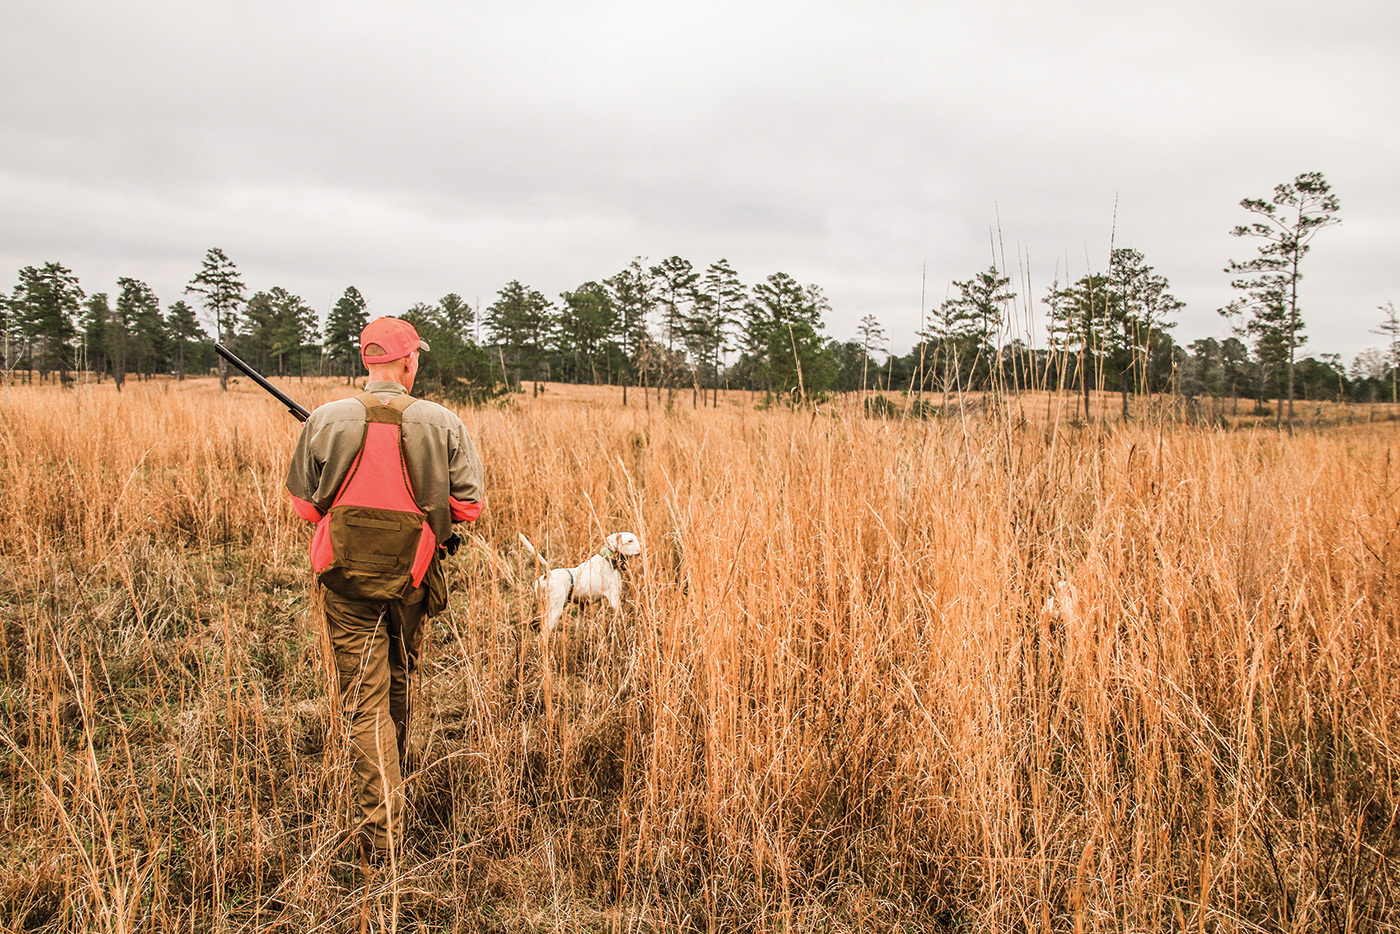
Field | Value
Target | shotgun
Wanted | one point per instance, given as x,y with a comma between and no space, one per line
297,410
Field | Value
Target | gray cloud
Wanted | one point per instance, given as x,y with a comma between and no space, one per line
424,147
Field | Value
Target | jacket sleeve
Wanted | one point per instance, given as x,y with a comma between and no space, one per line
304,472
464,475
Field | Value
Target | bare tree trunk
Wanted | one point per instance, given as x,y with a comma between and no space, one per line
1290,387
1084,378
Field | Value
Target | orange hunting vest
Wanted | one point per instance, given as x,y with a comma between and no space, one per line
374,542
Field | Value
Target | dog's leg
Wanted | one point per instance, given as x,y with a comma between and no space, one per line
554,598
613,592
552,616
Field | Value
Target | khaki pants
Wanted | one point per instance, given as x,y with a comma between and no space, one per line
376,648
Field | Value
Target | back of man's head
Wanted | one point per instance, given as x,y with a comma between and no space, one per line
389,348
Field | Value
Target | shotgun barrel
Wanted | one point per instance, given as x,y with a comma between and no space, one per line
295,408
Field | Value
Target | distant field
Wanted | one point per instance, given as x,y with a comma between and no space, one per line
997,672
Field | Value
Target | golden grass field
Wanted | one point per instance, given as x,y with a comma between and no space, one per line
841,697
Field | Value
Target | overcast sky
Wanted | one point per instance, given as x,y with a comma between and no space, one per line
417,148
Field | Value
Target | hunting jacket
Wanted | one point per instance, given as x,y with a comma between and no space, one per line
443,467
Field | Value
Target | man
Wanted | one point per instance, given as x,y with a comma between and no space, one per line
383,475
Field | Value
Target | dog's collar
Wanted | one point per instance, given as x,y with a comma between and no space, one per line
615,558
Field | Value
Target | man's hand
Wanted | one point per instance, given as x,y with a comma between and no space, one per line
454,541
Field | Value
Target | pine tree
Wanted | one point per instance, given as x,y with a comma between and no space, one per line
1287,222
1236,369
675,280
781,333
587,321
1205,369
117,337
719,301
871,333
97,310
1080,314
148,337
1390,329
782,300
221,290
294,325
971,324
183,329
9,335
457,316
47,300
518,321
257,323
634,296
277,326
1141,304
130,326
343,326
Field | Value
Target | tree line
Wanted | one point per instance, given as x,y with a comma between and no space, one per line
673,326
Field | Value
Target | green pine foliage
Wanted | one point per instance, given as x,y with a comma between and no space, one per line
456,368
669,324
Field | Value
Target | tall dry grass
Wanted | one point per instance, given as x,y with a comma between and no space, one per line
973,674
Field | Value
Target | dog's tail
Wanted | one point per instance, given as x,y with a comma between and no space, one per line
539,559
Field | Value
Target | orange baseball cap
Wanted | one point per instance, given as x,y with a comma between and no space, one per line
387,339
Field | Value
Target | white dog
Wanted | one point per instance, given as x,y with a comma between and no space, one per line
598,578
